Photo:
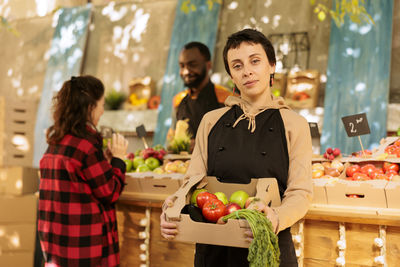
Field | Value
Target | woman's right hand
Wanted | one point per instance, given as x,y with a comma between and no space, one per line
168,229
118,146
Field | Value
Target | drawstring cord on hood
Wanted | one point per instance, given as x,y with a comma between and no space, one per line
250,117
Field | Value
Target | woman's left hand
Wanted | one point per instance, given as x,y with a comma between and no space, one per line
272,217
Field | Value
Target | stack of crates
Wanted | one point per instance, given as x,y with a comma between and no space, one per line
19,183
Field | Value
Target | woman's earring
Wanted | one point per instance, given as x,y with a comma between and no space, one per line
271,79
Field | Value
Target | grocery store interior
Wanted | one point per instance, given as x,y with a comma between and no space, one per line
336,65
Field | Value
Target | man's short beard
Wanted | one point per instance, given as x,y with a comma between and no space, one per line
198,80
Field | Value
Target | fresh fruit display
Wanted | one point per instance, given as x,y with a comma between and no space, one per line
181,140
264,249
331,153
327,169
356,172
151,157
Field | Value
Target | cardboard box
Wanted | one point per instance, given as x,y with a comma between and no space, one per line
357,193
17,125
18,180
319,196
18,209
17,259
17,237
392,191
229,234
153,183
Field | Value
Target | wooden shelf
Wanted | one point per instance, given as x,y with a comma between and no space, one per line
361,215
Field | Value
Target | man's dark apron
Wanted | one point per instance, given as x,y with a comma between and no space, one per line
235,155
194,109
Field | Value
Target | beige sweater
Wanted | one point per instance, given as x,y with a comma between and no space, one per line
298,195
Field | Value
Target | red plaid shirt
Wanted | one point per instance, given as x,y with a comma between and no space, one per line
78,188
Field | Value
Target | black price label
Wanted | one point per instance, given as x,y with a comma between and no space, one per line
314,129
141,131
356,125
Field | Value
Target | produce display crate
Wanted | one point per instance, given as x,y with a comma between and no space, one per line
319,196
392,191
357,193
17,125
18,180
158,185
229,234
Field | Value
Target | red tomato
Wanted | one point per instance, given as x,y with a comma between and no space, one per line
397,143
381,177
358,176
391,150
352,196
391,173
352,169
213,210
204,197
231,207
368,169
390,166
375,172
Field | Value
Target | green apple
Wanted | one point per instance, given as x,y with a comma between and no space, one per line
137,161
194,195
142,168
152,162
221,196
239,197
129,165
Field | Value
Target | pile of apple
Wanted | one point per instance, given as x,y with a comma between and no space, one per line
215,206
389,172
327,169
331,153
149,159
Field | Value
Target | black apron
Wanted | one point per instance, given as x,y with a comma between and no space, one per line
194,109
236,155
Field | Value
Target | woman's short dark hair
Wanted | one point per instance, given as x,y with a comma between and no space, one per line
202,48
249,36
72,107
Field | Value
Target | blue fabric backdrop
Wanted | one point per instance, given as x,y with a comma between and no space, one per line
199,25
358,78
66,54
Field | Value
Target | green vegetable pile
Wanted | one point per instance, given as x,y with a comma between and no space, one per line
264,249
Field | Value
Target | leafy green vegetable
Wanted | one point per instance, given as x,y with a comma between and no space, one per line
264,249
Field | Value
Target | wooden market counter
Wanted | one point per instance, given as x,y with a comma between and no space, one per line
319,233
